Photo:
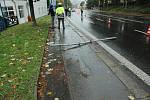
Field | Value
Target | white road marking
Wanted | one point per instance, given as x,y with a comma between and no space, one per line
122,18
119,20
99,19
141,32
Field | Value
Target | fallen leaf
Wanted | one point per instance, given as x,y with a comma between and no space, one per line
4,54
49,62
3,75
23,70
43,76
1,84
46,65
24,62
13,45
131,98
51,69
40,83
44,58
11,63
14,86
48,73
13,59
11,55
30,58
51,54
49,93
10,81
56,99
26,53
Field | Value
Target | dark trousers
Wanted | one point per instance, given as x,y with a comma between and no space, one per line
53,18
61,19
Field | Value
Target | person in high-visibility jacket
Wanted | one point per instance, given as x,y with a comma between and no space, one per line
60,15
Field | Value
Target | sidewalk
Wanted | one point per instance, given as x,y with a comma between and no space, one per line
82,72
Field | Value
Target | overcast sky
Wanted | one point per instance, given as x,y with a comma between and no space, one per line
76,1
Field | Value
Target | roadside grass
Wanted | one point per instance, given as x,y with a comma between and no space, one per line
130,10
21,51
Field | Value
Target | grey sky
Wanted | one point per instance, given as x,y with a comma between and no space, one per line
76,1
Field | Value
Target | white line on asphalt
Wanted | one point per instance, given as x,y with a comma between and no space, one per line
134,69
119,20
122,18
99,19
141,32
90,21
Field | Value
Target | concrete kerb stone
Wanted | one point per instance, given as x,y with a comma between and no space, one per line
134,69
129,65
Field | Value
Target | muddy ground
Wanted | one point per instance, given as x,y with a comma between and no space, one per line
52,81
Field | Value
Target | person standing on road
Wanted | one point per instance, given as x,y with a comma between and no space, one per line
60,14
81,12
66,11
52,13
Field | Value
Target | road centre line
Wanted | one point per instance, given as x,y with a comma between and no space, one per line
99,19
140,32
119,20
122,18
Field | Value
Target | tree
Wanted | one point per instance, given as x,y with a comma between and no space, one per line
32,12
92,3
82,3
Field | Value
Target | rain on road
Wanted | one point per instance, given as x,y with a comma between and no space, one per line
132,43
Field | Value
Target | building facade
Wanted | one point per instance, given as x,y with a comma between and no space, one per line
20,8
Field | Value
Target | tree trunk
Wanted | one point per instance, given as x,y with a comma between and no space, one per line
32,12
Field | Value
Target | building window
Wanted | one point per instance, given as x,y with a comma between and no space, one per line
21,11
8,11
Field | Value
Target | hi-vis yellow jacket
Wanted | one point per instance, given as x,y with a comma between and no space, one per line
60,11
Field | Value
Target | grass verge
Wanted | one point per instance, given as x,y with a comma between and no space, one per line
130,10
21,51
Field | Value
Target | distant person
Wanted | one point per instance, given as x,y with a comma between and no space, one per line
66,11
69,11
60,14
52,13
81,11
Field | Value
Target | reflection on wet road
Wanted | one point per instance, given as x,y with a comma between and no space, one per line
132,42
89,77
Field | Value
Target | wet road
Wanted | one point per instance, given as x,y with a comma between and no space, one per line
132,43
89,77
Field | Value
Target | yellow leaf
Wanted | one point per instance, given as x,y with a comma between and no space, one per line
3,75
49,93
13,45
131,98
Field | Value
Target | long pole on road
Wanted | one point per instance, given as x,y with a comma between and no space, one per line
82,43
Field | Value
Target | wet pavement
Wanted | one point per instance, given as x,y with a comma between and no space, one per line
131,42
52,81
88,71
89,77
